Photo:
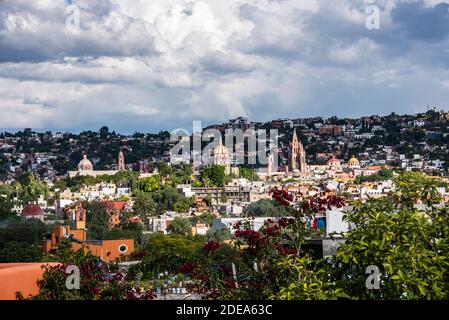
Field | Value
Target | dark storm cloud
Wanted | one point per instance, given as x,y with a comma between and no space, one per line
32,33
422,23
149,65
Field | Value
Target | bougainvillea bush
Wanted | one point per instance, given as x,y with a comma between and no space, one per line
405,236
98,281
407,244
268,263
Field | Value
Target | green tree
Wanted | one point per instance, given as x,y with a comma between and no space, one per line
150,184
6,202
97,220
223,197
382,175
409,244
13,251
63,252
180,226
181,175
266,208
104,132
183,205
166,198
304,279
163,168
144,205
214,175
219,234
249,174
166,253
31,232
206,218
126,179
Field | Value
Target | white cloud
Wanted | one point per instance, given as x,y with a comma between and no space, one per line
161,63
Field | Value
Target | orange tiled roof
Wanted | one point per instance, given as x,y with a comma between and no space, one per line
115,205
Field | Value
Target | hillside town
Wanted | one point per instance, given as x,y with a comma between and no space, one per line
225,155
109,192
354,157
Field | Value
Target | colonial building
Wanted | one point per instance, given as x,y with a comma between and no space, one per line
121,161
86,168
33,211
297,155
76,213
113,210
334,164
354,163
85,164
222,157
106,250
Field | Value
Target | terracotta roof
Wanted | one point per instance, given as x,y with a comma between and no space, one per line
115,205
32,210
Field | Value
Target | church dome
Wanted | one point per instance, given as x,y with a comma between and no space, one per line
353,162
222,157
32,210
85,164
333,161
221,150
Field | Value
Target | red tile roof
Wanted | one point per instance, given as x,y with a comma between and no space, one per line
115,205
32,210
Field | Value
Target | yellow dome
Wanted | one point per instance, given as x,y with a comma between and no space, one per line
353,162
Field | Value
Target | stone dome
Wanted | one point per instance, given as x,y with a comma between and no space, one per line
222,157
221,150
85,164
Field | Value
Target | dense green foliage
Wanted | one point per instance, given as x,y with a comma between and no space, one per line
410,245
20,241
97,220
266,208
382,175
144,205
166,253
168,198
150,184
214,176
206,218
248,173
180,226
13,251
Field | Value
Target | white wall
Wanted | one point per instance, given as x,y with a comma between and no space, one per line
334,221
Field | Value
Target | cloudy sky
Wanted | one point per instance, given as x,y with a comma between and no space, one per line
159,64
